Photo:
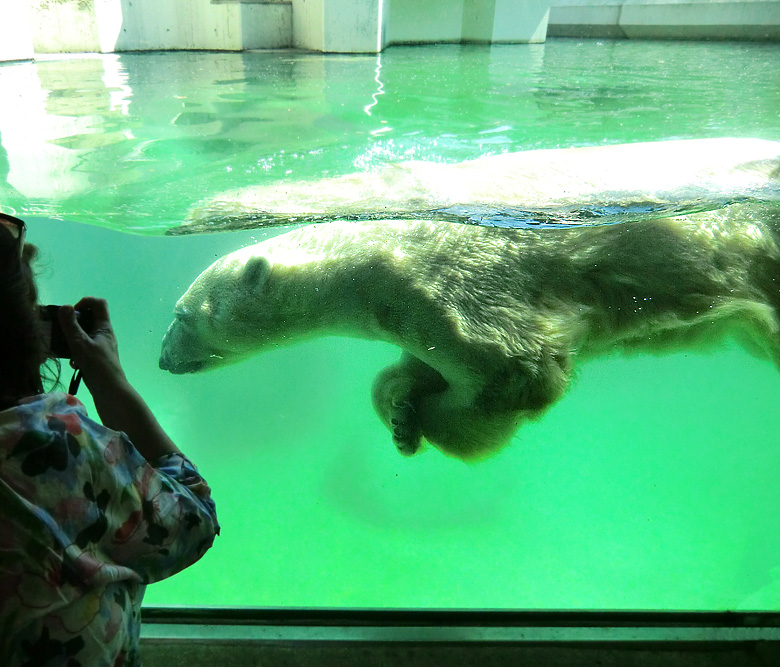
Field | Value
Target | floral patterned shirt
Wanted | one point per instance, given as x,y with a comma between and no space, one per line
85,523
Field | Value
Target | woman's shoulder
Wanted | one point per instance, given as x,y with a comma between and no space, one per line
36,411
57,400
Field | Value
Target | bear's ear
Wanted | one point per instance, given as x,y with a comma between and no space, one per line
255,274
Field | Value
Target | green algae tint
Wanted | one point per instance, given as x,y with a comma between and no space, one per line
651,485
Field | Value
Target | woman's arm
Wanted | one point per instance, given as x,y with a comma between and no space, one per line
119,405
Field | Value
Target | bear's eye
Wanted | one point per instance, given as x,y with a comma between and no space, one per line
184,315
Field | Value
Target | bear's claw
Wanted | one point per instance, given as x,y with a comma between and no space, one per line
407,435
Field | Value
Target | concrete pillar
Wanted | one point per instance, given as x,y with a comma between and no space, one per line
266,25
415,22
505,21
478,16
15,36
309,24
108,14
339,26
520,21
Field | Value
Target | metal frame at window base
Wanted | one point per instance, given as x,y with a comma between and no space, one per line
456,626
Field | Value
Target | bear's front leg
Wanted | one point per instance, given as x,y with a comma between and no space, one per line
396,395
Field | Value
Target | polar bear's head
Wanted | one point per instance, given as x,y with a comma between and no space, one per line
220,319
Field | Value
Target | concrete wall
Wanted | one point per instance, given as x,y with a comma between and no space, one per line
336,26
15,36
135,25
666,19
178,24
64,26
362,26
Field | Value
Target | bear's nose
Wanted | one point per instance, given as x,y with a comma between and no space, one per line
179,368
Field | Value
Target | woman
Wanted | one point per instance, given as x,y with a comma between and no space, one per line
89,513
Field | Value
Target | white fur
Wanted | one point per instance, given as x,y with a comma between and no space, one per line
490,321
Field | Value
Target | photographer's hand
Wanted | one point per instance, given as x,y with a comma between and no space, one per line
120,407
95,353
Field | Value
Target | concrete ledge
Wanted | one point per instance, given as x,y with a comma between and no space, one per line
758,20
585,21
720,20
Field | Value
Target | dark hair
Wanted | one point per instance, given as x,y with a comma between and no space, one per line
21,344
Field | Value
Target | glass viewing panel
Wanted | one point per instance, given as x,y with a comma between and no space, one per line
652,484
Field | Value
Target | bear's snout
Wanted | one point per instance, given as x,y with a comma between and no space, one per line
180,353
179,367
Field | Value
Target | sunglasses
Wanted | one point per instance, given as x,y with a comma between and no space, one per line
17,228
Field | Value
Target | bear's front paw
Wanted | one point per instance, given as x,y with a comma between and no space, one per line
407,435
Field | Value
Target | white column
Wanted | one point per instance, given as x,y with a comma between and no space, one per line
309,24
108,14
15,36
521,21
412,21
339,26
516,21
266,25
478,18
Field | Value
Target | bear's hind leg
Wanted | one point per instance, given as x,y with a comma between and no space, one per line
396,395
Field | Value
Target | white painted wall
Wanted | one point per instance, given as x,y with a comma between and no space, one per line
15,36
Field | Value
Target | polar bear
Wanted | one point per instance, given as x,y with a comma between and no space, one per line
560,186
490,321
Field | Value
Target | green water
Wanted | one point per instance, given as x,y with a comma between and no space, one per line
652,485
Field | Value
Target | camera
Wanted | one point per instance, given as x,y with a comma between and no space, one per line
53,335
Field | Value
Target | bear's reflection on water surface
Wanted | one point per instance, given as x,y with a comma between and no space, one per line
559,185
490,321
